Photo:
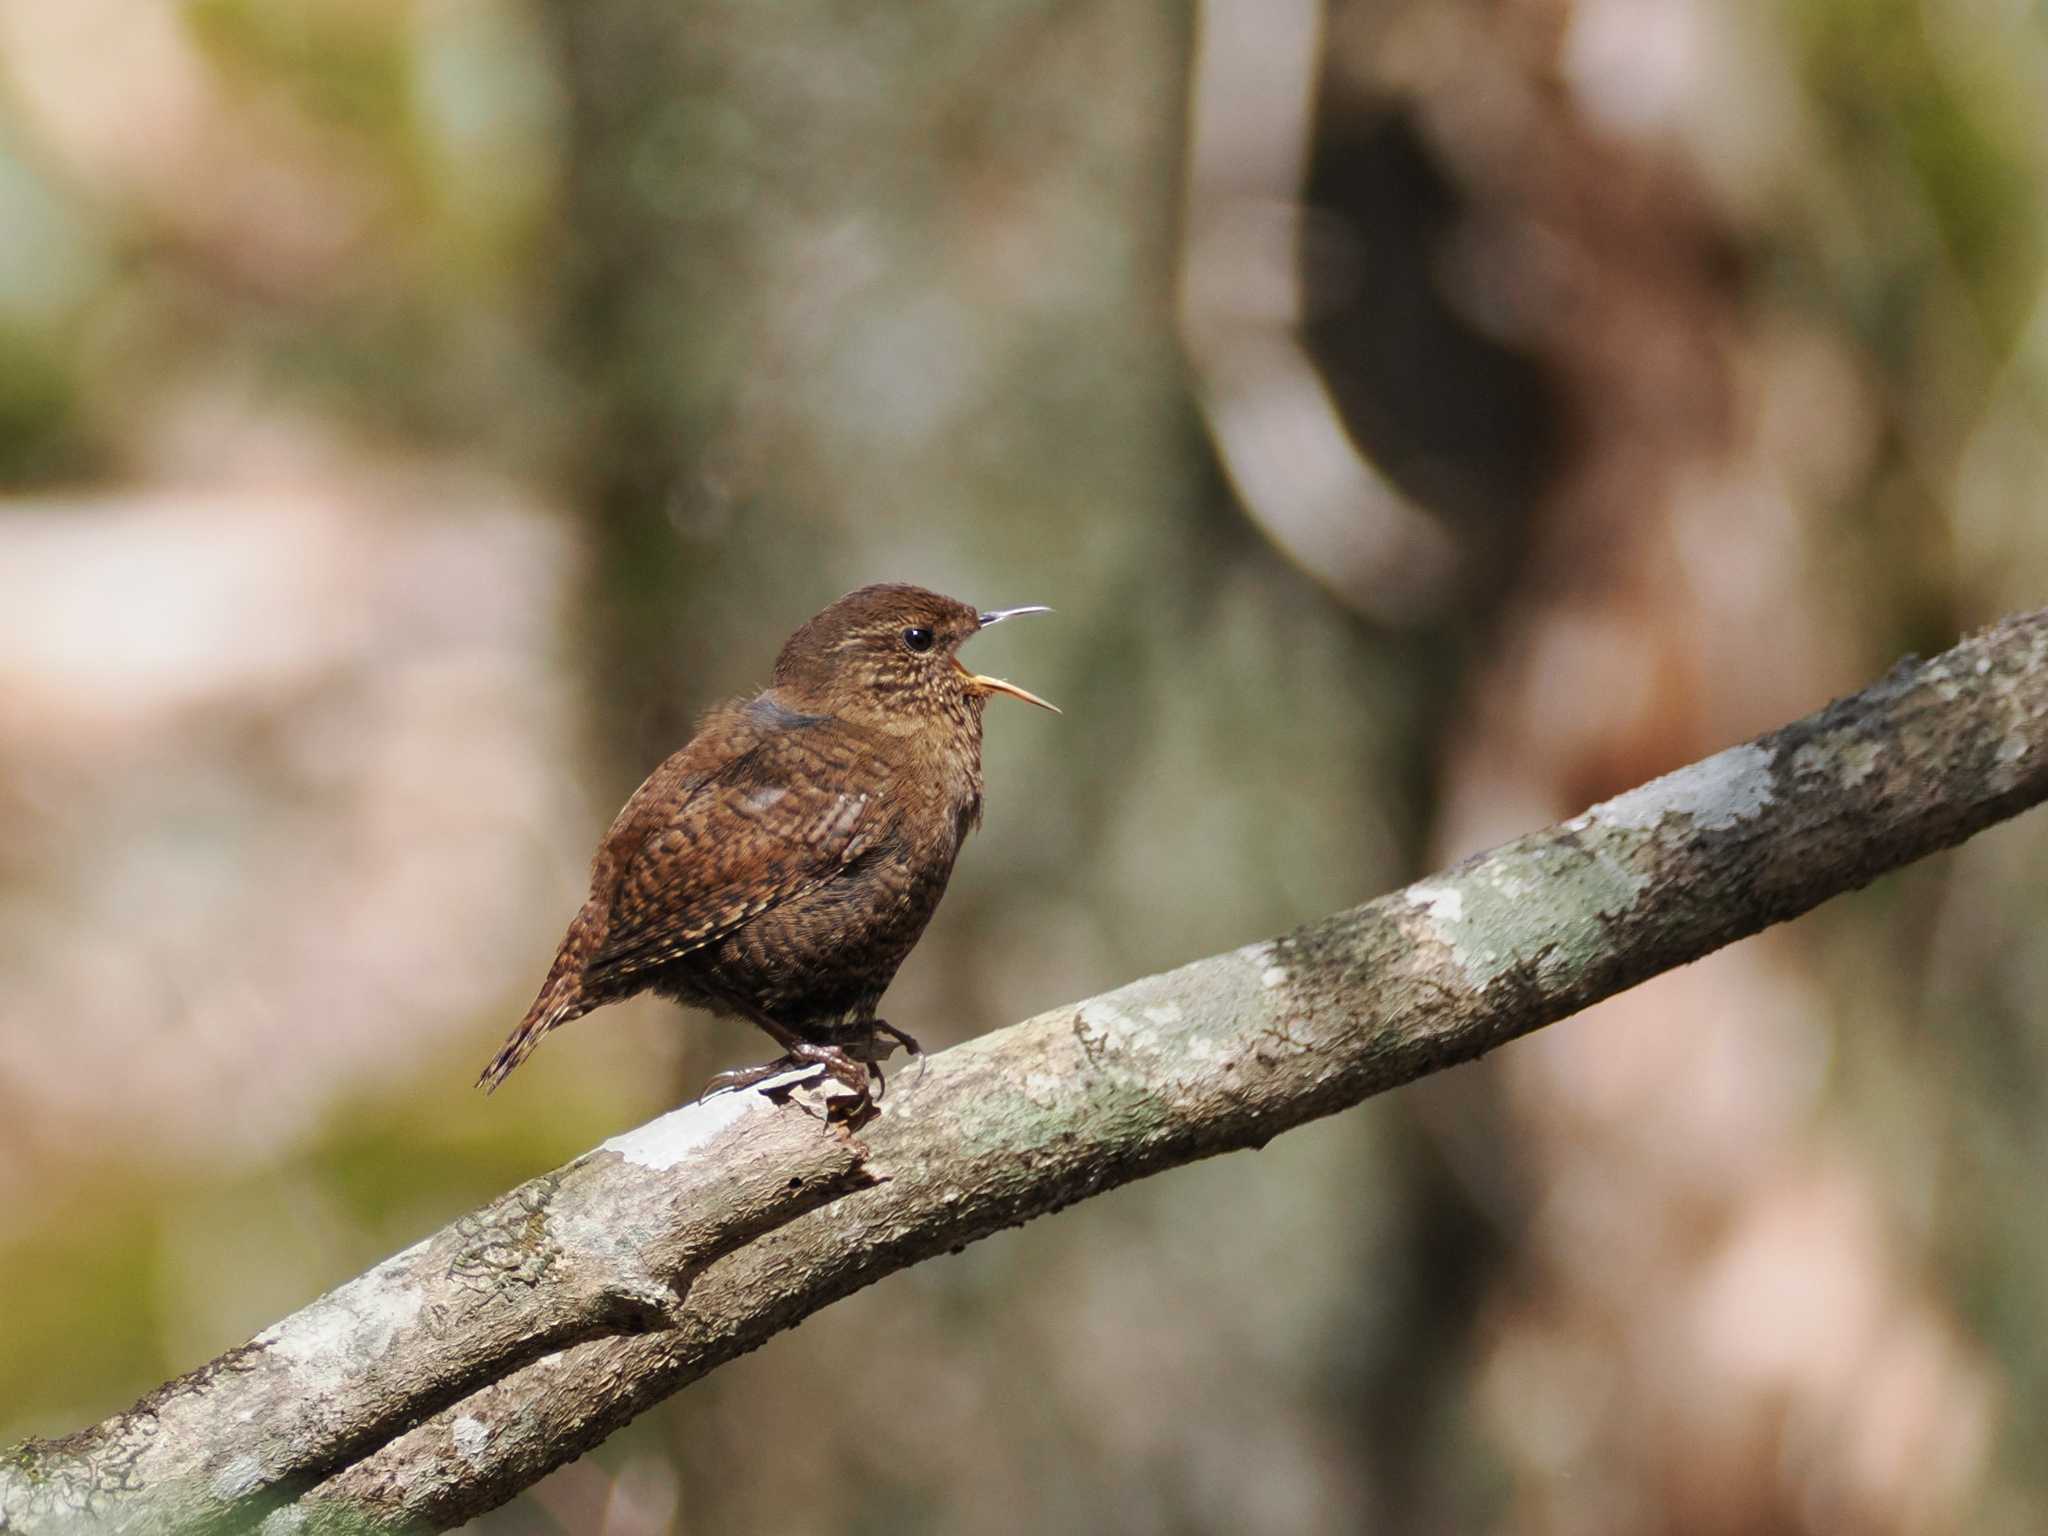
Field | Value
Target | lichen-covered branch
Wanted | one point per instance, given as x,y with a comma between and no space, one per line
605,1246
1223,1053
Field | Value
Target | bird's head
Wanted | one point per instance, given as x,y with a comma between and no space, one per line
889,655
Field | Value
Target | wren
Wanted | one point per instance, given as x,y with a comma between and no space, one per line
781,865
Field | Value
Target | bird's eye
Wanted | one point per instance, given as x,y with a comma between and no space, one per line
918,638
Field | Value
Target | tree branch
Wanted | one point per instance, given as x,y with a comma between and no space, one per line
534,1328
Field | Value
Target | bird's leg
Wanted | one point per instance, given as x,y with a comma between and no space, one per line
747,1077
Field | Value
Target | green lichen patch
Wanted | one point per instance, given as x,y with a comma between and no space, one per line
1538,906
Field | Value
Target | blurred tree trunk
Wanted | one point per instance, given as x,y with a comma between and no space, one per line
844,282
1684,575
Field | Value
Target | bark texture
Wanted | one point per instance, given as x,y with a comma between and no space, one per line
444,1381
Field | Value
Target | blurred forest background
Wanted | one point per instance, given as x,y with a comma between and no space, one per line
1427,416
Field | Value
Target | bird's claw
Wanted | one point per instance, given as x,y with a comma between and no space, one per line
909,1044
884,1027
748,1077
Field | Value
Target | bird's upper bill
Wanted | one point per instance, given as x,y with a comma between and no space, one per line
985,685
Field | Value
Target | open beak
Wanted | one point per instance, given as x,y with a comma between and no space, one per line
995,684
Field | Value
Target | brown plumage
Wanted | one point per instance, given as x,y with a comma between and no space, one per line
782,864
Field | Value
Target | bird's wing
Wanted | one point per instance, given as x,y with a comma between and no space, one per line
774,820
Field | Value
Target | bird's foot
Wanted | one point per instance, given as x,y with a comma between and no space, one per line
876,1041
856,1106
852,1109
884,1027
867,1045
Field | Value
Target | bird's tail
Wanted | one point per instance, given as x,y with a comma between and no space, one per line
560,1001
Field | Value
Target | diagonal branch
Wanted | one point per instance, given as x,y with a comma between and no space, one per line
1220,1054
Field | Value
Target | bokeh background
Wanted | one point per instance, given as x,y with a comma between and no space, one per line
1427,416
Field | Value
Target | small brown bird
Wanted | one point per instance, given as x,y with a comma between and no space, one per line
780,866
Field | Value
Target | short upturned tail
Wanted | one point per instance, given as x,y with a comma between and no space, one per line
560,1001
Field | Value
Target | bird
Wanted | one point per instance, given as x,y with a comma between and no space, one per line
782,864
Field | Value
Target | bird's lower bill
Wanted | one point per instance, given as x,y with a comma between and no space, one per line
982,684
